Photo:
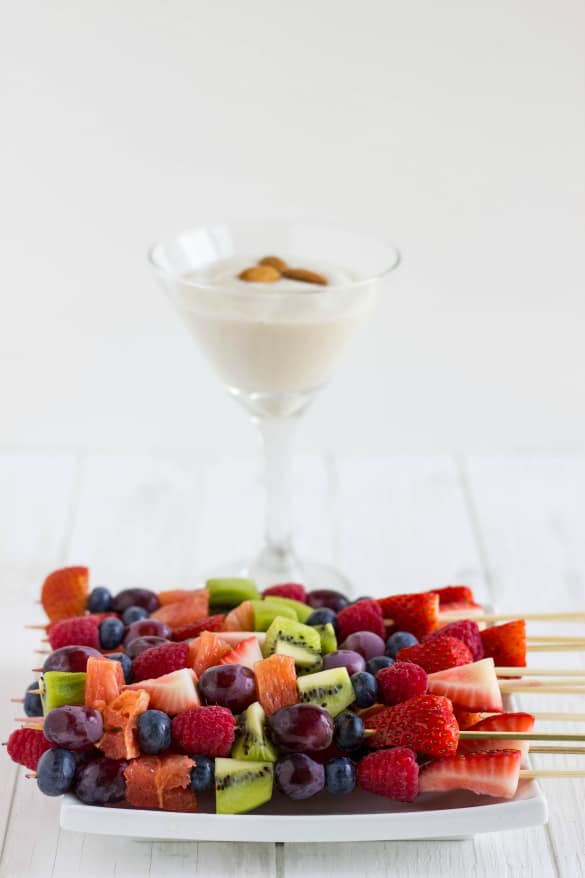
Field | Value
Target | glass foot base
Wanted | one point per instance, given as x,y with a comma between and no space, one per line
265,573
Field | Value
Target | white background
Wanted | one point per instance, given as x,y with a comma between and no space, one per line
455,129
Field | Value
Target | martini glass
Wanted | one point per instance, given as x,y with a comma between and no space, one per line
274,345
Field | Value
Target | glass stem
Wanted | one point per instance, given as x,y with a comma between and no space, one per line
277,435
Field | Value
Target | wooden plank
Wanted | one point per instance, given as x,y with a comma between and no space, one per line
531,513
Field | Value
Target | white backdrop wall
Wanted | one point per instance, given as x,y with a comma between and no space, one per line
455,129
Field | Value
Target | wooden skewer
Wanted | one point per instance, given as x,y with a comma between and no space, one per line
29,719
568,616
31,775
560,751
535,773
542,689
507,685
560,717
553,638
36,627
539,672
470,735
556,647
34,692
17,700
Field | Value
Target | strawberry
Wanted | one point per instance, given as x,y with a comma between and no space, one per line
437,654
77,631
472,687
246,652
501,722
401,681
160,660
417,613
453,610
26,746
208,731
493,773
65,592
466,630
426,723
210,623
160,782
191,609
292,590
391,773
506,644
454,593
172,692
364,615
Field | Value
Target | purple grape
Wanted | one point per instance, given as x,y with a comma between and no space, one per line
135,597
231,686
301,727
140,644
367,643
146,628
101,782
74,728
299,776
325,597
70,659
345,658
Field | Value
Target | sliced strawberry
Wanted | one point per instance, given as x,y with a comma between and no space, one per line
472,687
454,594
246,653
172,692
425,723
417,612
211,648
506,644
493,773
210,623
503,722
437,654
65,592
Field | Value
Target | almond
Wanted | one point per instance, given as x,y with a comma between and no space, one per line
260,274
309,277
275,262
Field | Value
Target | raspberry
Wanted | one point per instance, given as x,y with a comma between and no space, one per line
391,773
26,746
400,681
211,623
466,630
208,731
78,631
160,660
291,590
437,654
365,615
65,592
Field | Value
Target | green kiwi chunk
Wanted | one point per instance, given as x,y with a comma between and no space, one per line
61,687
265,612
307,661
328,638
291,632
303,611
229,593
331,689
241,785
251,741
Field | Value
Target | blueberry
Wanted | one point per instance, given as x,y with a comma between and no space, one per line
100,600
349,731
154,732
399,640
33,705
202,773
134,614
376,664
322,616
55,771
126,663
365,687
111,633
340,775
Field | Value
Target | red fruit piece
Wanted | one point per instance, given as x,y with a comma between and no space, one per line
493,773
401,681
77,631
472,687
425,723
364,615
454,594
502,722
209,731
103,682
191,609
466,630
160,782
160,660
120,740
417,613
391,773
26,746
210,623
210,651
506,644
173,596
64,592
437,654
246,652
276,682
293,590
172,692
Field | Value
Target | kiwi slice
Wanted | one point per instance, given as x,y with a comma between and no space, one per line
331,689
229,593
307,661
303,611
328,638
61,687
292,632
266,611
251,741
241,786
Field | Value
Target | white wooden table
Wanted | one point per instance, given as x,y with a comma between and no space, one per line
512,526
